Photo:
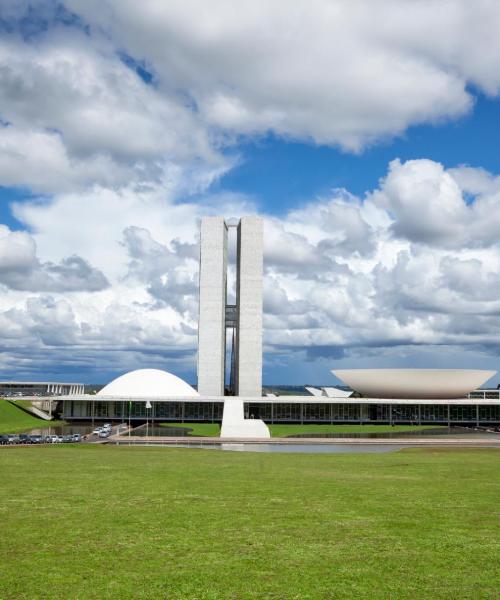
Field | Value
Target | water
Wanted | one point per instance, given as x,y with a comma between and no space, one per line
81,428
311,448
464,432
157,431
294,448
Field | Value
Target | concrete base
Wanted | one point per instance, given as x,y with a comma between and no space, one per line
235,426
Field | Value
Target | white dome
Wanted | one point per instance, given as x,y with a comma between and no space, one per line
148,383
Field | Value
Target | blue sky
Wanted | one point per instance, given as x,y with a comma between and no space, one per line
283,174
123,124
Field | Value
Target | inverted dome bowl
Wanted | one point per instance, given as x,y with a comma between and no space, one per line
413,383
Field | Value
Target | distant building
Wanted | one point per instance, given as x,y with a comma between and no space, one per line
12,389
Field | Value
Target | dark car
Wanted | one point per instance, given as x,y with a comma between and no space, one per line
4,440
36,438
67,439
24,438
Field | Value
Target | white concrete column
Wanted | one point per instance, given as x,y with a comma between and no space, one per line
248,376
212,308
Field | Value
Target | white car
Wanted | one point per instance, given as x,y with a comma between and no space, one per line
97,431
104,434
54,439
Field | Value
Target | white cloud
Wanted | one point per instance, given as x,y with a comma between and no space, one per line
126,165
327,292
79,113
75,115
20,268
429,204
334,72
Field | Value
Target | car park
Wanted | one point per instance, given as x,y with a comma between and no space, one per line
24,438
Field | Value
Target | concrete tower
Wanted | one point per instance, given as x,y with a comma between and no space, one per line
245,318
212,309
248,351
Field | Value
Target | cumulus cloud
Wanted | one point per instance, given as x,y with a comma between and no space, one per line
20,268
318,71
342,275
75,114
121,115
439,207
112,93
171,275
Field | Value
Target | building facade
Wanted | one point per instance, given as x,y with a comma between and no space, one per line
474,410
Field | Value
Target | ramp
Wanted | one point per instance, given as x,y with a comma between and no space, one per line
235,426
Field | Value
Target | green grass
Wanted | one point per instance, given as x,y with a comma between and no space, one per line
15,420
213,429
22,403
198,429
94,522
285,430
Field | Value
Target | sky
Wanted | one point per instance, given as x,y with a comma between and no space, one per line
364,133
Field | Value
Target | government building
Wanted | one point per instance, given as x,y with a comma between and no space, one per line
229,365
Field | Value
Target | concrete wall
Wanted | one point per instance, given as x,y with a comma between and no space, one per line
248,376
211,325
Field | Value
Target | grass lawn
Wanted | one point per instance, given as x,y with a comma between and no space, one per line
199,429
15,420
213,429
284,430
95,522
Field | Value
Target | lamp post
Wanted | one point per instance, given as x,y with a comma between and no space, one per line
129,414
148,406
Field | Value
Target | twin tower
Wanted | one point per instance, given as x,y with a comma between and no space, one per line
243,319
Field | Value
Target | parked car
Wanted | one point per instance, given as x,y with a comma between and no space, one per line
36,439
53,439
77,437
97,431
4,439
67,439
104,434
24,438
12,438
